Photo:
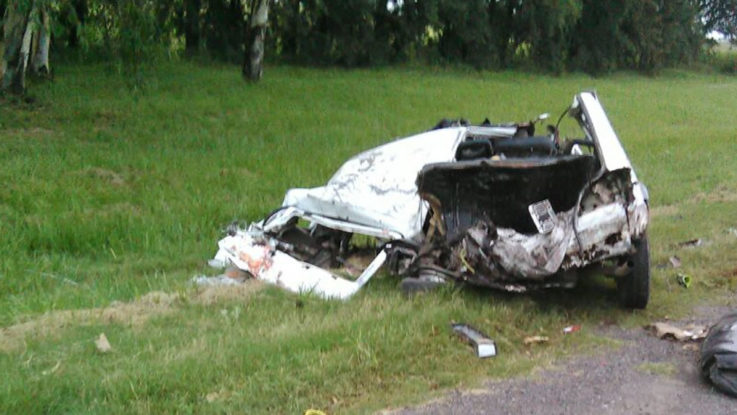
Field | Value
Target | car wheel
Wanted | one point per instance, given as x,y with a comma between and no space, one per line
634,288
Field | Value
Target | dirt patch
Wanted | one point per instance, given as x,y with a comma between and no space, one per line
664,210
133,313
730,273
216,294
36,133
109,176
719,194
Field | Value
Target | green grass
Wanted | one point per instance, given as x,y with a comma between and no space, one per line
108,195
666,369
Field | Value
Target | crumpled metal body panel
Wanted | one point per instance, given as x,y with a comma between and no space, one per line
377,187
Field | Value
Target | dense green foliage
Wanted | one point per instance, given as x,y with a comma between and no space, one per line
550,35
553,35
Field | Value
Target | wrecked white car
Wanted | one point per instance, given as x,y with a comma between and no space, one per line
492,205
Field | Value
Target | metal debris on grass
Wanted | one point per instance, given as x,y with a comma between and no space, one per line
482,344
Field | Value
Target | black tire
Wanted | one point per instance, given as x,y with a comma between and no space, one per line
634,288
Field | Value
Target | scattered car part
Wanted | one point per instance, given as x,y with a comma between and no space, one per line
719,355
492,205
482,344
691,332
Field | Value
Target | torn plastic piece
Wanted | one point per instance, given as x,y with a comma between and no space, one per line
256,256
482,344
571,329
719,355
684,280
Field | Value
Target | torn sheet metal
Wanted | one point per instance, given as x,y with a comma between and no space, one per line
258,257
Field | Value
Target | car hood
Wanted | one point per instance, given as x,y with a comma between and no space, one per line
377,188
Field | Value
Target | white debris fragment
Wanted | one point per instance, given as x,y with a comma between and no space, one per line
102,344
691,332
216,280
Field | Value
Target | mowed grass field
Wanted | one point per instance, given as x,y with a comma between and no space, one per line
111,202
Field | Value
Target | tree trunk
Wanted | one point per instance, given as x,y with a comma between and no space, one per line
17,47
40,61
20,28
255,34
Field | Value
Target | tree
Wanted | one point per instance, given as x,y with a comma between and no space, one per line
548,25
191,26
720,16
255,34
27,38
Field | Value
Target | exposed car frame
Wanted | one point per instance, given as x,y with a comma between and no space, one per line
490,205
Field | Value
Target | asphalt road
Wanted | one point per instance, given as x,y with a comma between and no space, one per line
620,381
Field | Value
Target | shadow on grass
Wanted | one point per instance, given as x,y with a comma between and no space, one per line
593,299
